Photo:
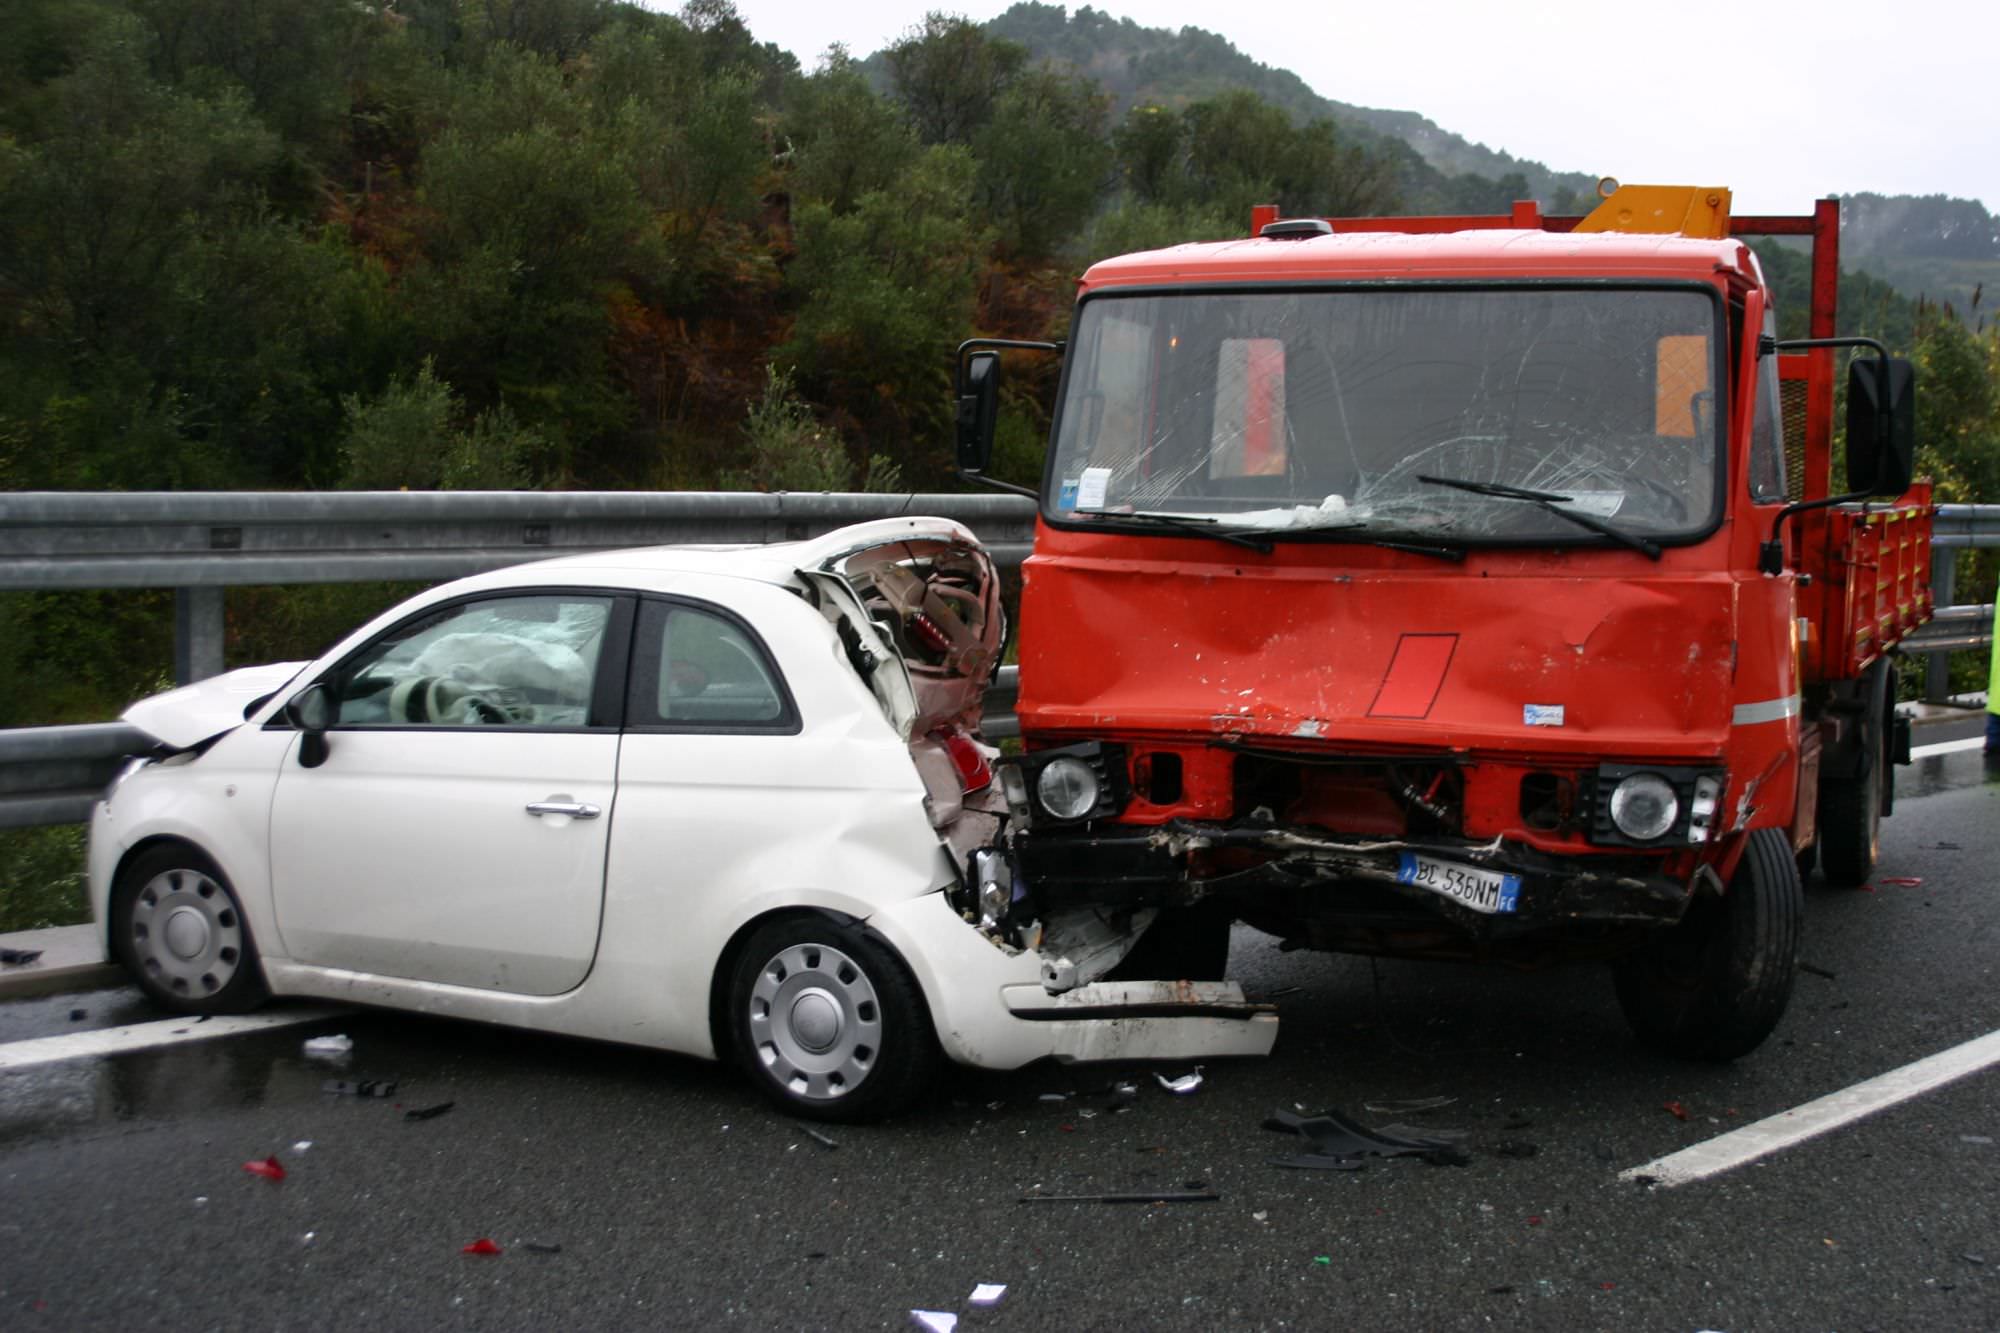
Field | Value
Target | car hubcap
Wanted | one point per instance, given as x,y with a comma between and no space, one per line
815,1021
186,933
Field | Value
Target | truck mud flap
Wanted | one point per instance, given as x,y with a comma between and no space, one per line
1148,1020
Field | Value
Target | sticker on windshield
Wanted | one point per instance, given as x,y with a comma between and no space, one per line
1598,504
1066,495
1541,715
1095,485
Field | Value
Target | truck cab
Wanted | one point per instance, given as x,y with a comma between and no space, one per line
1440,588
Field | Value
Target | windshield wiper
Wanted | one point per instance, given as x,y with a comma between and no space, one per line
1199,527
1552,502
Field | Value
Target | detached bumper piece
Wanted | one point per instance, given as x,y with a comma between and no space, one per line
1148,1020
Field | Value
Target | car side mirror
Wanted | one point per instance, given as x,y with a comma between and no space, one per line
311,711
978,408
1881,425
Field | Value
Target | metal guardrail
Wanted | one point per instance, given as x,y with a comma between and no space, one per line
203,542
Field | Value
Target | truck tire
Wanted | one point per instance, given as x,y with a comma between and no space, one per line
1713,986
1850,807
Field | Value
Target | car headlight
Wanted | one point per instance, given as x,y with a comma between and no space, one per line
1067,788
1644,807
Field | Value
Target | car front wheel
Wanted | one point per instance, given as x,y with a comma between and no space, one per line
828,1021
177,927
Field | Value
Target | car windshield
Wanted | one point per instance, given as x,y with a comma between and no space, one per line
1363,409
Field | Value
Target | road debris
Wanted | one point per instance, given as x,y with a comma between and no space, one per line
18,957
336,1047
817,1137
1514,1148
270,1168
1159,1196
1816,971
1675,1109
1182,1085
1054,1097
303,1146
541,1247
1901,881
482,1246
1975,1138
987,1293
1410,1107
1339,1144
1323,1260
78,1015
428,1112
367,1087
937,1321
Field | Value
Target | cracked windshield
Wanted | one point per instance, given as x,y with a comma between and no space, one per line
1521,414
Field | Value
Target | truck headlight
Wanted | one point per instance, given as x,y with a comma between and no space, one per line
1644,807
1067,788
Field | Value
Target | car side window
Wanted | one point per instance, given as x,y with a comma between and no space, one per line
525,661
704,670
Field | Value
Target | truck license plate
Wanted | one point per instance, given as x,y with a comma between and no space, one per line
1489,891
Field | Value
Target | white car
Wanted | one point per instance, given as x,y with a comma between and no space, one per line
717,800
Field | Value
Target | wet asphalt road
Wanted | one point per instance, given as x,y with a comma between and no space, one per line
679,1200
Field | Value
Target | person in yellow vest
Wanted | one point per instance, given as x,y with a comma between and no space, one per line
1993,688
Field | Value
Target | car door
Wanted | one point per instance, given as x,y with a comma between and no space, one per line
456,830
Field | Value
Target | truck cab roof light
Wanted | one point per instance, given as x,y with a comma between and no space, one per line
1295,229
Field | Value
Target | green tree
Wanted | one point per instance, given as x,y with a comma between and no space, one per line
844,140
883,294
948,74
1043,160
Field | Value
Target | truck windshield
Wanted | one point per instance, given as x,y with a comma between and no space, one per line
1355,410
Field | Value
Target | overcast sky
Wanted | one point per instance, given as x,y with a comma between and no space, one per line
1782,103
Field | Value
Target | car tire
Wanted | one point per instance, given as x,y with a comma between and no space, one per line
1850,808
178,928
1713,986
1182,944
828,1022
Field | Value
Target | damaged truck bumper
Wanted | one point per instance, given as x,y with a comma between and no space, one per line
991,1008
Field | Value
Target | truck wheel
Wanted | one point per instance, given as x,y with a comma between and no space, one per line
1850,808
1182,944
1713,986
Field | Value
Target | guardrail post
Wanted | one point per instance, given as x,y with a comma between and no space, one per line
197,634
1944,579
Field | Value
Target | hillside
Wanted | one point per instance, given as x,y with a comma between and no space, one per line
1137,65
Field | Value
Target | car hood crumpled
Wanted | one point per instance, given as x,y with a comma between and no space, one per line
922,597
186,717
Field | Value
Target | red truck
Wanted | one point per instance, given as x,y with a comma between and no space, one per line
1458,587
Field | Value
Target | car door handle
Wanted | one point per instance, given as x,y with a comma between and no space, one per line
574,809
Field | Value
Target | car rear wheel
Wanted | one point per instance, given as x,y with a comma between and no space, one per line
828,1021
1713,986
177,927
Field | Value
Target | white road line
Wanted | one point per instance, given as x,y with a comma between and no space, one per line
1946,747
1817,1117
144,1036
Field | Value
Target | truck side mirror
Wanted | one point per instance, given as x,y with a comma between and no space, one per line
1881,425
978,407
311,711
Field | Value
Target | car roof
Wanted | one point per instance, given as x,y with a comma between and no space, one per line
661,568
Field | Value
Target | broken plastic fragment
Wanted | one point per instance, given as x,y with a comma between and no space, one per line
269,1168
481,1246
937,1321
428,1112
541,1247
303,1145
16,957
367,1087
329,1048
1410,1107
1901,881
1053,1097
78,1015
1164,1196
1816,971
1535,1221
1676,1110
1324,1260
987,1293
1182,1085
819,1138
1337,1143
